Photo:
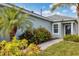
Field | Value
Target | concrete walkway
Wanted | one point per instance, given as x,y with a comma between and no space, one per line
44,45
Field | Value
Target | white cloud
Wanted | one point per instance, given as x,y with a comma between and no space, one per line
73,8
49,13
37,12
44,13
51,5
58,13
64,11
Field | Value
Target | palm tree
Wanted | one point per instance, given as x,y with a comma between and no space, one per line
57,5
12,19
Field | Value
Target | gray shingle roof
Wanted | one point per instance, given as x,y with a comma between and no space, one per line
54,18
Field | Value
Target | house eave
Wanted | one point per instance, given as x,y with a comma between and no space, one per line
65,21
27,11
34,14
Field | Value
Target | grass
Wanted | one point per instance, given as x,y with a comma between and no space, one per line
63,48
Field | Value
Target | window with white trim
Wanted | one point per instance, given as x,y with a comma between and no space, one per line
55,28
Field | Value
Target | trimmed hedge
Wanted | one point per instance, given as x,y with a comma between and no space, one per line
74,38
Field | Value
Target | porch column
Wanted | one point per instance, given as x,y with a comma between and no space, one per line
72,31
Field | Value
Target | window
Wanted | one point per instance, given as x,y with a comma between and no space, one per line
55,28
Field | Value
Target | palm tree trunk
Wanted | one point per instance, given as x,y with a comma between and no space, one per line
13,32
78,16
78,9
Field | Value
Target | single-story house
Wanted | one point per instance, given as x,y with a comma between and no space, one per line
57,25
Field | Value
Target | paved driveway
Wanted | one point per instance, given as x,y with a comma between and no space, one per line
44,45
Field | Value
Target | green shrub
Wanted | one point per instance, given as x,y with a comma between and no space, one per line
74,38
41,35
37,35
28,35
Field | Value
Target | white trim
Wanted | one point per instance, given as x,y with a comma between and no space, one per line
53,28
56,35
72,29
64,30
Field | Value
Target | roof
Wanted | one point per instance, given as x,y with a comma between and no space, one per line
26,11
57,18
53,18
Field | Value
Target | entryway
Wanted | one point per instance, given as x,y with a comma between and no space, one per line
67,29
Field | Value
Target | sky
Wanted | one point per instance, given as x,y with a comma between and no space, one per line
36,7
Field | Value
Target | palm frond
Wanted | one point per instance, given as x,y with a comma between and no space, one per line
55,6
11,17
58,5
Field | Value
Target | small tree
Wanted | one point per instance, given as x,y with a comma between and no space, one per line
12,19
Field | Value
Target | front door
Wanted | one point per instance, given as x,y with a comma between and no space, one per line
67,29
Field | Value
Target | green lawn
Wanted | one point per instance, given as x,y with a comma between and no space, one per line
63,48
